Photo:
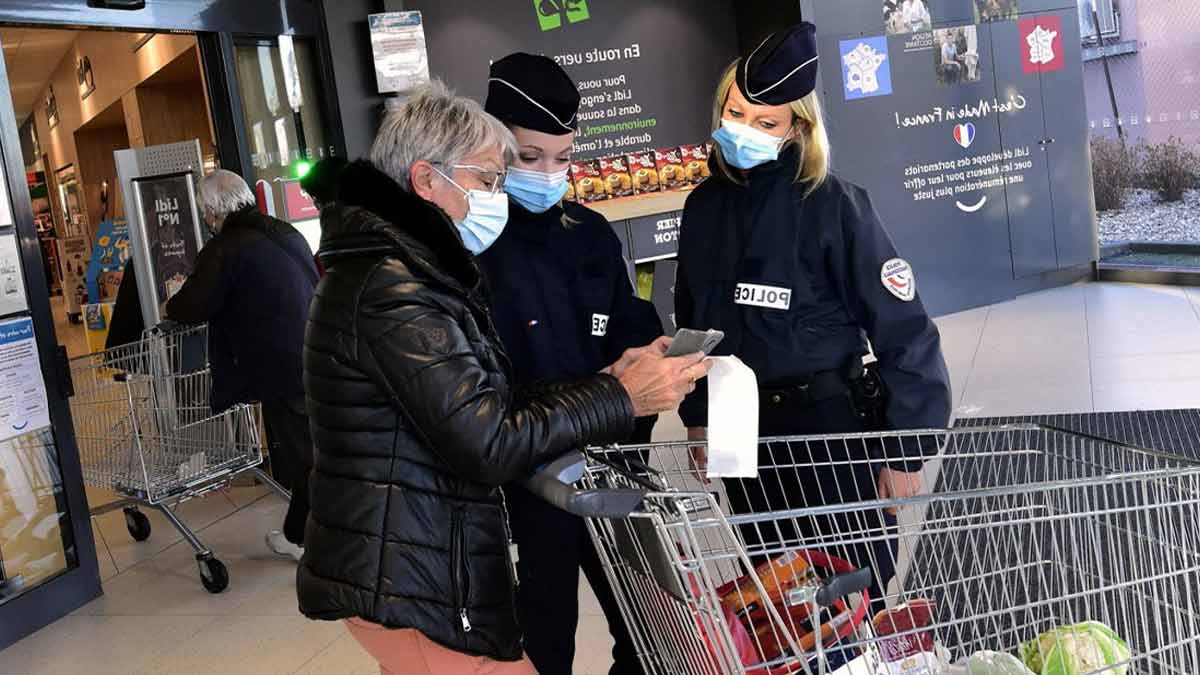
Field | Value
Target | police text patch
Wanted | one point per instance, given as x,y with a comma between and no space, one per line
897,277
599,325
770,297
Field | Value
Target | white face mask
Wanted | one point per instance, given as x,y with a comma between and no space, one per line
487,214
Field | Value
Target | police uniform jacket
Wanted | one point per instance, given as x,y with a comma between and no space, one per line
561,296
795,283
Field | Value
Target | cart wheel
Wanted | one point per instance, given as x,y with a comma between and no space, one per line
138,524
213,574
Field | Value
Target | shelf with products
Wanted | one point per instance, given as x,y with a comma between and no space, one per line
639,184
640,206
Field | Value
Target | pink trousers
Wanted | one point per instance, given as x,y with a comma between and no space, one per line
409,652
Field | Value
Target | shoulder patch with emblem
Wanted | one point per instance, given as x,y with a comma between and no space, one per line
898,278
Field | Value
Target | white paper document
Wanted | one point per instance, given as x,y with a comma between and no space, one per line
732,419
23,404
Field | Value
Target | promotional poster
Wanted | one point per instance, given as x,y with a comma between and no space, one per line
169,216
970,168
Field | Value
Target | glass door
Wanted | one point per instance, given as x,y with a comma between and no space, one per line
36,543
47,557
278,79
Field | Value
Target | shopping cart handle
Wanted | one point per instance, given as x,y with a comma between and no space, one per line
846,583
553,483
568,468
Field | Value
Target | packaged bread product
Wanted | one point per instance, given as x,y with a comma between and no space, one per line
589,186
778,576
617,181
907,643
642,171
670,169
570,196
695,162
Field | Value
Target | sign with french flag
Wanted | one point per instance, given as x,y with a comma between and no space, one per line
964,134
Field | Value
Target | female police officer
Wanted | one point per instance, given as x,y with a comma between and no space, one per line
793,264
564,307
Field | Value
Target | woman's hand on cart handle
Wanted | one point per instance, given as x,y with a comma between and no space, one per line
658,384
699,453
895,484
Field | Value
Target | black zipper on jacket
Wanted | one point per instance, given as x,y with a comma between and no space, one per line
462,580
514,587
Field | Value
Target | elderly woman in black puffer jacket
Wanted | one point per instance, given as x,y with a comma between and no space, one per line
414,422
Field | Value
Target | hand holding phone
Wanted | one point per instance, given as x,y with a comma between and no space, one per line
688,341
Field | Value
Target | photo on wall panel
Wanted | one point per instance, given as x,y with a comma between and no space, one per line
956,56
996,10
906,16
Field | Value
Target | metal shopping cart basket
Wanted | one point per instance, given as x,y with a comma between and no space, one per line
1024,540
145,431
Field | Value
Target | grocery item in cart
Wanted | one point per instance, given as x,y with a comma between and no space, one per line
1077,650
788,581
834,622
907,645
779,575
995,663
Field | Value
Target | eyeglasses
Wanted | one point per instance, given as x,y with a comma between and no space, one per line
493,181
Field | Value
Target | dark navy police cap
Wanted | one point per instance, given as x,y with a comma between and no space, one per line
782,69
533,92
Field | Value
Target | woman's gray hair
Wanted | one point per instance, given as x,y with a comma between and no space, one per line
435,125
222,193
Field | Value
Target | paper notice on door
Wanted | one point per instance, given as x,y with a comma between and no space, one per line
12,283
732,419
398,45
23,405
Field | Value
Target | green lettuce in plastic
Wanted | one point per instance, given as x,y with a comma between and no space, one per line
995,663
1077,650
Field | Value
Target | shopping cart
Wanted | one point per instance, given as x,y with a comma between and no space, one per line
145,431
1023,532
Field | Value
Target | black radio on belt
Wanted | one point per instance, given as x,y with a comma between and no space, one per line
870,395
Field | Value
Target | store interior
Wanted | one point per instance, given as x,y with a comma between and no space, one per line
141,89
148,89
95,110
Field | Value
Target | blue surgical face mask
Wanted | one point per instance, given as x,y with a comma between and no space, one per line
745,147
487,214
537,191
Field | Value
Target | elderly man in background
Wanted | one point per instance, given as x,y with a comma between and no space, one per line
253,283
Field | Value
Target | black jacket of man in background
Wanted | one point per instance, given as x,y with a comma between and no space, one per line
253,284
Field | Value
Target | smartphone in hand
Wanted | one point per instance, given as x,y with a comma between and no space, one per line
688,341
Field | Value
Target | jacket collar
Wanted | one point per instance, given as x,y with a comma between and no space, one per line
529,225
788,161
374,213
243,217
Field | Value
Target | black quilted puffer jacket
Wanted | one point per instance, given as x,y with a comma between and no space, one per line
415,427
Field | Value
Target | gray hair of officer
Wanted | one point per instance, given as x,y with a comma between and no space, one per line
436,126
222,193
